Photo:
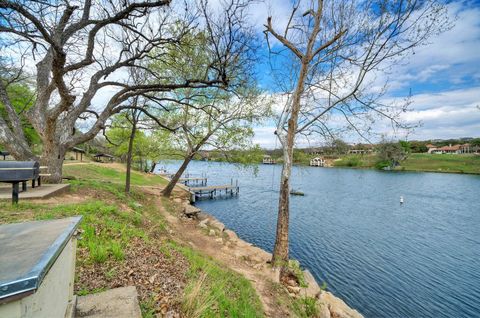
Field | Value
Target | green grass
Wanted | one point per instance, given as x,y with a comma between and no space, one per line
419,162
97,172
305,307
106,228
442,163
215,291
356,161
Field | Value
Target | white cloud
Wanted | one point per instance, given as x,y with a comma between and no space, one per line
447,114
459,98
265,137
449,57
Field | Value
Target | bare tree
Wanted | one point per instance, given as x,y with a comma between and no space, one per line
81,50
335,49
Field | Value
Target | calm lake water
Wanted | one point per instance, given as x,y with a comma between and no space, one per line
419,259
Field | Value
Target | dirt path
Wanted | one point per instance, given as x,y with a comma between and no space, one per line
234,253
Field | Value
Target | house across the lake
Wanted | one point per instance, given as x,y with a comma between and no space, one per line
361,149
453,149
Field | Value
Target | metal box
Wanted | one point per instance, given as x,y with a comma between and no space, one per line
37,268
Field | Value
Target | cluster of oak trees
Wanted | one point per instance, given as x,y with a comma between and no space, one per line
70,70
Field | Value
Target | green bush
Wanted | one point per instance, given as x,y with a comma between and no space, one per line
382,164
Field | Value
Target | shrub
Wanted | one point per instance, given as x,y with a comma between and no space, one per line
382,164
306,307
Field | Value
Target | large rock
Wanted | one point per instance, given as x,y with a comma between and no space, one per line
312,289
203,224
323,311
217,225
202,216
191,211
337,307
232,236
243,244
293,289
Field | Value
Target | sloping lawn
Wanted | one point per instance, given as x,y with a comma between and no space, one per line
112,173
442,163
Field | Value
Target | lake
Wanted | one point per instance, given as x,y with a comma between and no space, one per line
418,259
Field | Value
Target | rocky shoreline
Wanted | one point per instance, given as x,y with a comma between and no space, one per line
258,259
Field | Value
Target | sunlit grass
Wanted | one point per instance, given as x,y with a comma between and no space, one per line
98,172
215,291
461,163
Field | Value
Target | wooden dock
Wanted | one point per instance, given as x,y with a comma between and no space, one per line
213,191
193,181
187,180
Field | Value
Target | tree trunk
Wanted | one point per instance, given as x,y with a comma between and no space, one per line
129,156
52,157
280,252
169,188
14,144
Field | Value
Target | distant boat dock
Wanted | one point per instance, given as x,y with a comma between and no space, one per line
198,187
193,181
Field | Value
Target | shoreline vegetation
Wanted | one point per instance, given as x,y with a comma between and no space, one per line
181,267
414,162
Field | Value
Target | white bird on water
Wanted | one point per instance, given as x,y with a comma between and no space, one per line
401,199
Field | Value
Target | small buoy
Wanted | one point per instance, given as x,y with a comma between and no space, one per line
401,199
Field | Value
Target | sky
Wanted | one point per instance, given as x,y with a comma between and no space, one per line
443,79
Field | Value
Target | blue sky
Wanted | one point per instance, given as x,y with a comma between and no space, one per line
443,78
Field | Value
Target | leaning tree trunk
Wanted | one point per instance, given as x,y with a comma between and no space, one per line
129,157
169,188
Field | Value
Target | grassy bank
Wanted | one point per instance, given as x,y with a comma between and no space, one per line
419,162
125,241
112,173
356,161
442,163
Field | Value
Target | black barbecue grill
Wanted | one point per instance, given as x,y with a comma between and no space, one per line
15,172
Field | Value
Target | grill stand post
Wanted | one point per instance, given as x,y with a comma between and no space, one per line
15,189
